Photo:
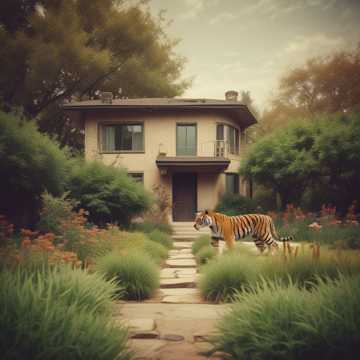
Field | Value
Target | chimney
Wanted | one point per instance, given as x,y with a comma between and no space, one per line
106,97
231,95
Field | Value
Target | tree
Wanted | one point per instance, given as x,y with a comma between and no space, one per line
58,50
323,85
323,150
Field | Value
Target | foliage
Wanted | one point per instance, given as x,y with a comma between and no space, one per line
58,314
237,271
30,164
161,238
205,254
322,85
324,151
107,193
236,204
148,226
135,272
88,48
274,321
201,241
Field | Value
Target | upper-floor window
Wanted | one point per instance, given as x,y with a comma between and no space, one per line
186,139
122,137
138,177
230,135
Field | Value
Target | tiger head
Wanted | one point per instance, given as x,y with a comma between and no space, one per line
202,219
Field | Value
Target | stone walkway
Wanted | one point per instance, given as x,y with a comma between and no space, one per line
176,323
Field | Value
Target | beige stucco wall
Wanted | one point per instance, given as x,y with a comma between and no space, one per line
160,135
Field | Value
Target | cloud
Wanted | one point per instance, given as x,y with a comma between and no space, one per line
222,18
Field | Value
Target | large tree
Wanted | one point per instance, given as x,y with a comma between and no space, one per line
57,50
322,85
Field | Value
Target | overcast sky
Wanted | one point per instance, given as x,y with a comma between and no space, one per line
249,44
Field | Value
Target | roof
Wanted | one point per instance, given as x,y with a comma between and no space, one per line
234,108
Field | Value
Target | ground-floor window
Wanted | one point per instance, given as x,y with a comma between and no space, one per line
232,183
138,177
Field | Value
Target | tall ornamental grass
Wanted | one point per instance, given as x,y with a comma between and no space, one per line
223,277
58,314
201,241
135,271
276,321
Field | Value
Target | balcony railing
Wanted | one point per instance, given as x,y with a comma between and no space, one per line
217,148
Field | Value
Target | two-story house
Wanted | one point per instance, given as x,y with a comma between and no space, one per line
191,146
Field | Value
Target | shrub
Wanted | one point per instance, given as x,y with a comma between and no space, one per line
274,321
135,272
148,226
205,254
58,315
107,192
203,240
236,204
156,251
30,164
161,238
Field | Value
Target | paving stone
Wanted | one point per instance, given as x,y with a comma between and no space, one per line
172,337
184,251
181,295
140,328
182,244
179,291
204,348
146,348
145,335
178,282
181,263
201,337
177,272
181,256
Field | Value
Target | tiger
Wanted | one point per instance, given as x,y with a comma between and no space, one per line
232,228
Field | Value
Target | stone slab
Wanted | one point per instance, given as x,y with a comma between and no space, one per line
177,272
179,291
181,263
188,282
145,335
144,349
181,256
184,251
182,299
182,244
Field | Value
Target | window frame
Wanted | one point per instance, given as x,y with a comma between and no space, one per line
196,137
101,126
141,173
226,136
236,183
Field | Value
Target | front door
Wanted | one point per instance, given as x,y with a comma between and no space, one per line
184,196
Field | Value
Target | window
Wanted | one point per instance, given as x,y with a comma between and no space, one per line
186,139
123,137
232,138
232,183
138,177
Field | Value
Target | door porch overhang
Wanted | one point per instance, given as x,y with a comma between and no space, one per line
191,164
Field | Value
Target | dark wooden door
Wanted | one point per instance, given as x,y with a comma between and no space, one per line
184,196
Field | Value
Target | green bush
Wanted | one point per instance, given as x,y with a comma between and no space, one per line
161,238
156,251
236,204
134,271
58,315
148,226
107,192
273,321
232,272
30,164
201,241
205,254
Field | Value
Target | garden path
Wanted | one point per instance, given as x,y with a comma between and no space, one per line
176,323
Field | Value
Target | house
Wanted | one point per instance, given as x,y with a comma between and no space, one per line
192,147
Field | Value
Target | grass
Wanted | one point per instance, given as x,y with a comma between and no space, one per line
203,240
135,271
232,272
161,238
58,314
276,321
205,254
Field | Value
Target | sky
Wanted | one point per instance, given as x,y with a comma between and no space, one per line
249,44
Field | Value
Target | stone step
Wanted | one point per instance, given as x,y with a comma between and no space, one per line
181,263
179,252
184,237
174,273
182,244
184,282
181,256
181,295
